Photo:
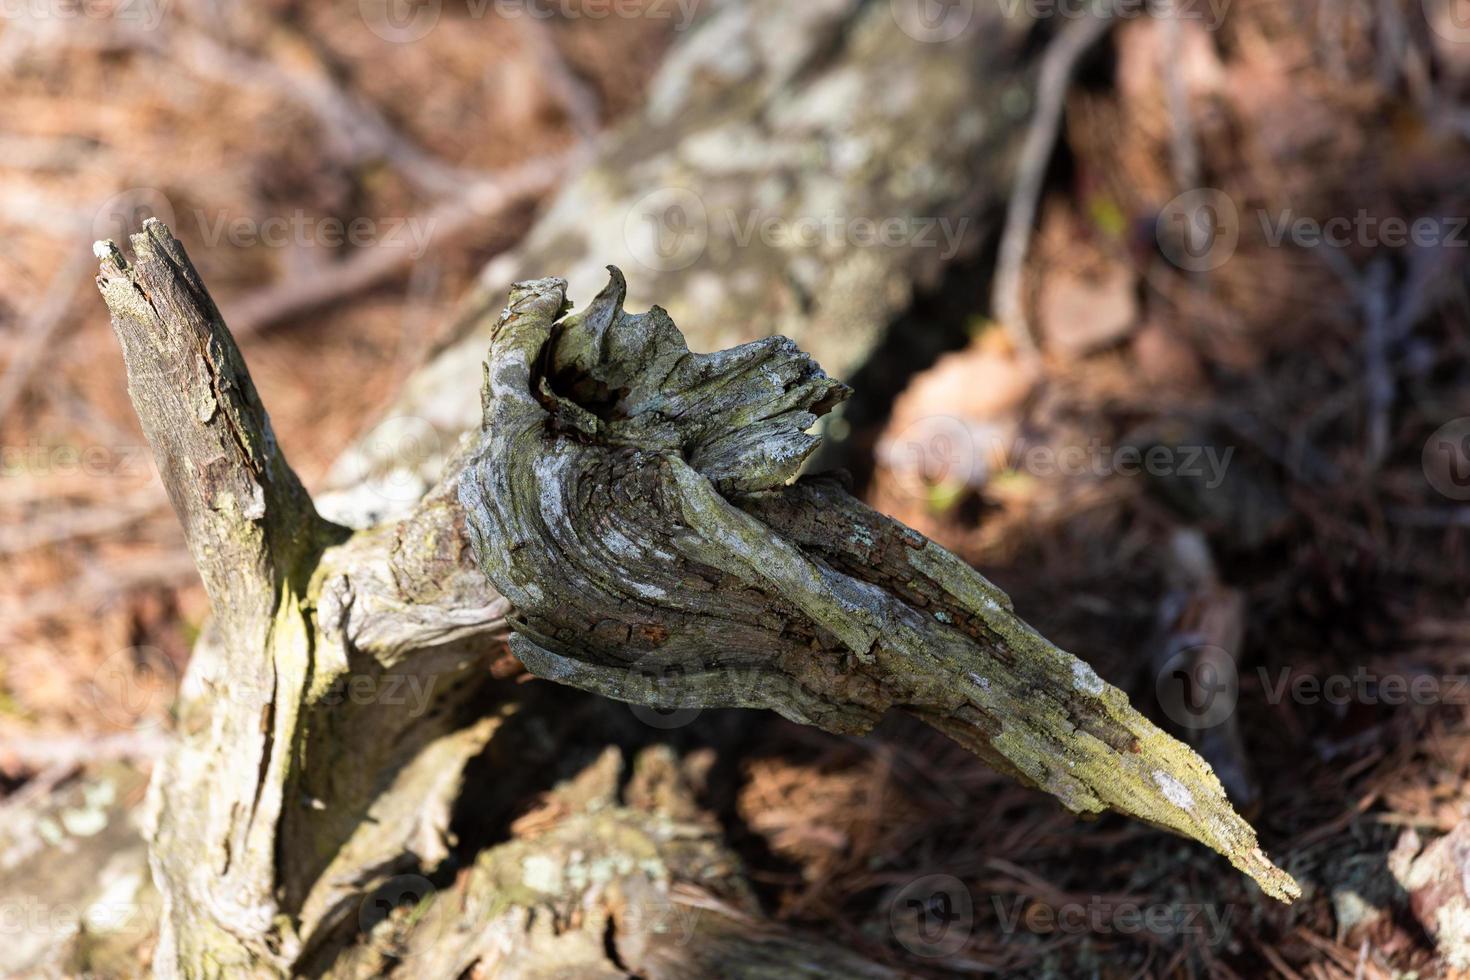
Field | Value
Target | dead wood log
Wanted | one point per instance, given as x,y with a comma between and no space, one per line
631,500
329,714
625,882
635,503
799,169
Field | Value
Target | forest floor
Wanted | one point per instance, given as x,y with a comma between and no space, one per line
1292,518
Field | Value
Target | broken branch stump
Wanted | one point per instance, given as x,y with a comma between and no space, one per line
297,827
635,502
637,505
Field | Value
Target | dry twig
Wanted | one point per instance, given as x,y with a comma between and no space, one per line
1057,66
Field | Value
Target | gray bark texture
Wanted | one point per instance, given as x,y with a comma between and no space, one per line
639,506
633,504
294,826
801,169
300,828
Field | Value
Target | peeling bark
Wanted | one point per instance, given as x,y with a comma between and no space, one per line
636,882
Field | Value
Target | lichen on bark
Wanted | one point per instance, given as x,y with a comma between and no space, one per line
637,505
289,811
640,506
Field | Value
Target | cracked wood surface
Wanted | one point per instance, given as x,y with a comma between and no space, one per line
636,504
288,806
253,866
285,804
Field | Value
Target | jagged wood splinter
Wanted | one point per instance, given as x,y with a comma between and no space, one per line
634,501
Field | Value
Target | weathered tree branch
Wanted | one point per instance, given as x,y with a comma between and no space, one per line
243,847
290,804
330,713
247,520
634,502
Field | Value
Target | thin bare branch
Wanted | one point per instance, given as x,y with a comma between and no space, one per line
1057,65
